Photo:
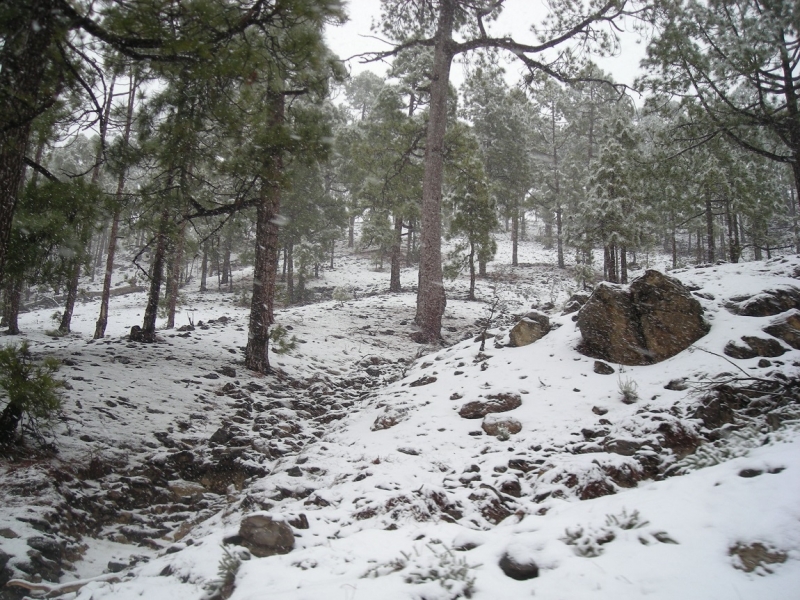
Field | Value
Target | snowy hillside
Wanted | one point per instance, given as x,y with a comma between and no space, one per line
359,443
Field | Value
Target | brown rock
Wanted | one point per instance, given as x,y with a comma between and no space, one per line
495,425
602,368
671,319
265,537
575,303
767,303
754,346
764,347
623,447
654,319
494,403
533,326
520,570
389,419
786,328
609,327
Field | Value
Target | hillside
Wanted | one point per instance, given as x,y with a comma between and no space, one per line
358,443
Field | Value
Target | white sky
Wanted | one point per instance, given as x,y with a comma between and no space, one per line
356,37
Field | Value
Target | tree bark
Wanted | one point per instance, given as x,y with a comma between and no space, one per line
397,248
515,237
13,301
256,355
72,295
431,298
204,268
290,271
623,264
711,254
471,294
22,69
175,276
148,333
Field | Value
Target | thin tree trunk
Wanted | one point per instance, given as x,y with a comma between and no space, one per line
173,286
148,333
559,238
351,231
515,238
711,255
623,264
431,298
471,294
397,248
13,302
204,268
102,319
72,295
333,251
290,271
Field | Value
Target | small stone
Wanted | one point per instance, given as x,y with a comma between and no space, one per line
764,363
623,447
422,381
519,570
9,534
294,472
494,403
677,385
495,425
602,368
599,410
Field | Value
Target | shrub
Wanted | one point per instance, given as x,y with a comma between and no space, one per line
281,342
31,392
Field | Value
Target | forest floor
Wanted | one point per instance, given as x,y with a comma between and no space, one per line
357,442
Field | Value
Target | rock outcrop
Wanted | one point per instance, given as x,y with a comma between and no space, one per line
651,320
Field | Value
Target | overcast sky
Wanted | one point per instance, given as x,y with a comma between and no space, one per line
356,37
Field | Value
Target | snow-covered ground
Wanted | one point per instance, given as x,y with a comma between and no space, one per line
426,507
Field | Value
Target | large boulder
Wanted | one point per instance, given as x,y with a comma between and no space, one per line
533,327
653,319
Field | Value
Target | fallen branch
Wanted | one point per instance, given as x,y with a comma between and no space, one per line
53,591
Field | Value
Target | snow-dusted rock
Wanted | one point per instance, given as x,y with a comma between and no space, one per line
264,536
533,327
653,319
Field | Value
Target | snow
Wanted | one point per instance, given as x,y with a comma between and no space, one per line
374,497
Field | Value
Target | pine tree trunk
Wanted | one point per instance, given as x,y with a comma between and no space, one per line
173,287
559,238
351,231
264,278
290,271
431,298
711,255
471,294
333,251
22,70
204,268
623,264
102,319
397,249
515,238
148,333
674,249
13,302
72,295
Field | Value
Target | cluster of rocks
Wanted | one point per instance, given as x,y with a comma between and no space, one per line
782,332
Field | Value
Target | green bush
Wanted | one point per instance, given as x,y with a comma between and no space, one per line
31,393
